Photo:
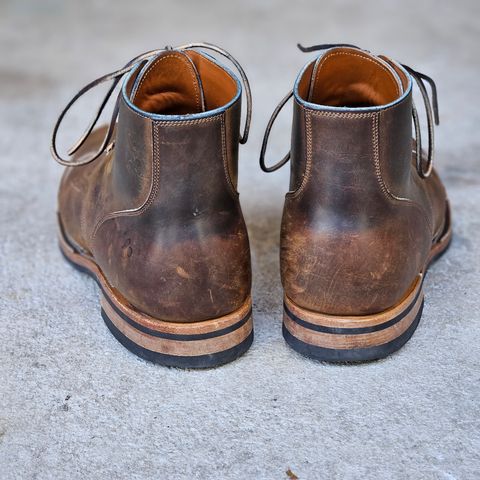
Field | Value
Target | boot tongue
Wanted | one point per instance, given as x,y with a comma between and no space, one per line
169,84
348,77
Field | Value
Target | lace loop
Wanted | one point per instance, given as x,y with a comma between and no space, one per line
431,109
115,77
286,158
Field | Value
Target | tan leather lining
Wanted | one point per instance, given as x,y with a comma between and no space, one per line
346,77
180,83
219,87
401,73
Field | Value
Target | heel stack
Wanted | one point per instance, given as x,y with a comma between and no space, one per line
334,338
203,344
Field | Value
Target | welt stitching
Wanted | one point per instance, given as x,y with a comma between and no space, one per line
327,56
157,61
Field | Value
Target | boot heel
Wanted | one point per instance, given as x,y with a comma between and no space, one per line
334,338
203,344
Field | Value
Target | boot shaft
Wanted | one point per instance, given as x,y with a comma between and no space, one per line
159,209
186,149
358,223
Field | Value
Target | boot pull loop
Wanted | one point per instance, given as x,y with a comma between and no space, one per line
115,77
286,158
246,84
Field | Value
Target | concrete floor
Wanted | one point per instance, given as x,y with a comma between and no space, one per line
75,404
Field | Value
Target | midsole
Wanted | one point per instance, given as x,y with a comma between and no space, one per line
178,347
344,332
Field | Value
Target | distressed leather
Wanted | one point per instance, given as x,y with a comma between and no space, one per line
359,222
160,213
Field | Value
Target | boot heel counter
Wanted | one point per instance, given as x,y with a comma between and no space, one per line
186,256
342,271
348,246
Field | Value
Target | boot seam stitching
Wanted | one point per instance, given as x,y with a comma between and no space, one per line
225,159
296,194
154,186
378,173
151,195
375,116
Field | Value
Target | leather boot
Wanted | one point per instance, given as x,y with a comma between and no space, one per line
149,206
366,214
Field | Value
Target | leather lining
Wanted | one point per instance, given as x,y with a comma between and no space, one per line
347,77
182,83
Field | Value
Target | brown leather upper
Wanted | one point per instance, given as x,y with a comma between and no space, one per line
159,213
359,222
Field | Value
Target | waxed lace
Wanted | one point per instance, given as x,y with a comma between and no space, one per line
115,77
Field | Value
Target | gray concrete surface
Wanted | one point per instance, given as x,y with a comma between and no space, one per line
75,404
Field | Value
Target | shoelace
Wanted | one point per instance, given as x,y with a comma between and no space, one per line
431,108
115,77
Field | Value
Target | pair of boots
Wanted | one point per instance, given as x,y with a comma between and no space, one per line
149,206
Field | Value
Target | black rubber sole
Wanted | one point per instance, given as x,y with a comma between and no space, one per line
353,355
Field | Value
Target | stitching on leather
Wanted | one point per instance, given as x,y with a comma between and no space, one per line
364,57
319,113
154,186
326,113
174,122
308,167
375,116
225,159
192,73
183,123
378,173
348,114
